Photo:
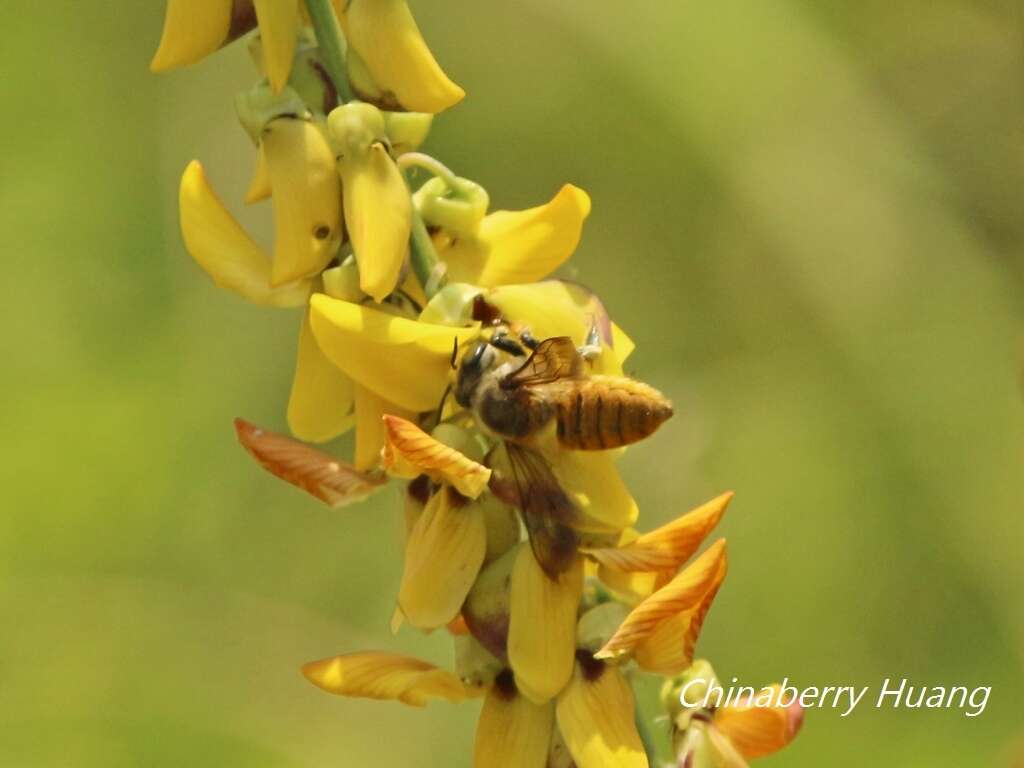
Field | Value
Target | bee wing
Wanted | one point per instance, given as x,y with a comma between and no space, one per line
333,482
547,511
553,359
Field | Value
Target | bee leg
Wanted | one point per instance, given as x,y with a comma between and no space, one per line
591,348
528,339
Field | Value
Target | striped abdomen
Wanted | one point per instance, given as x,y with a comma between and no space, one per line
601,412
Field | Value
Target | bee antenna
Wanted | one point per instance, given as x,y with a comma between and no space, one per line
455,352
440,405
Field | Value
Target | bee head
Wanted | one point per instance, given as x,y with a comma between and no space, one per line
471,369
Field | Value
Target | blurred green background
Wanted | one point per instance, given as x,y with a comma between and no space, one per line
808,215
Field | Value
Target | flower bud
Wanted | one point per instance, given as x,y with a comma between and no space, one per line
598,624
487,607
473,663
342,281
452,305
259,105
407,130
352,128
458,209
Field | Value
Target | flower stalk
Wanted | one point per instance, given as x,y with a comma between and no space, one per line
332,45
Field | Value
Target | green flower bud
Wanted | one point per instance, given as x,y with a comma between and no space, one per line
452,305
353,128
487,607
259,105
458,209
473,663
598,624
407,130
462,440
503,529
342,282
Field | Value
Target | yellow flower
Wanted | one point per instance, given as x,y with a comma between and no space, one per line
728,734
386,676
642,563
384,36
193,29
378,209
517,246
447,543
660,633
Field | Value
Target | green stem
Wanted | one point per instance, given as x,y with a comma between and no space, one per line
423,257
332,45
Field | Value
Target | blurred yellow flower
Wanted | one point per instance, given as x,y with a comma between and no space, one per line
388,43
517,246
193,29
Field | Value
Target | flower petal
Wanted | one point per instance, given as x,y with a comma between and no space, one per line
542,625
512,732
307,198
404,361
385,35
521,246
333,482
378,211
596,715
223,249
279,26
591,479
381,675
259,185
443,556
370,433
759,730
688,595
667,547
193,29
321,403
409,451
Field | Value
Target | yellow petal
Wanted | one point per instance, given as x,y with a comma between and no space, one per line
279,25
409,451
512,732
370,433
259,186
404,361
321,403
591,479
688,593
667,547
223,249
193,29
332,481
307,198
380,675
521,246
759,730
596,718
630,588
378,212
542,625
558,308
443,556
385,35
622,344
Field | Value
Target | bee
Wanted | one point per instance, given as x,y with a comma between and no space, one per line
518,402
